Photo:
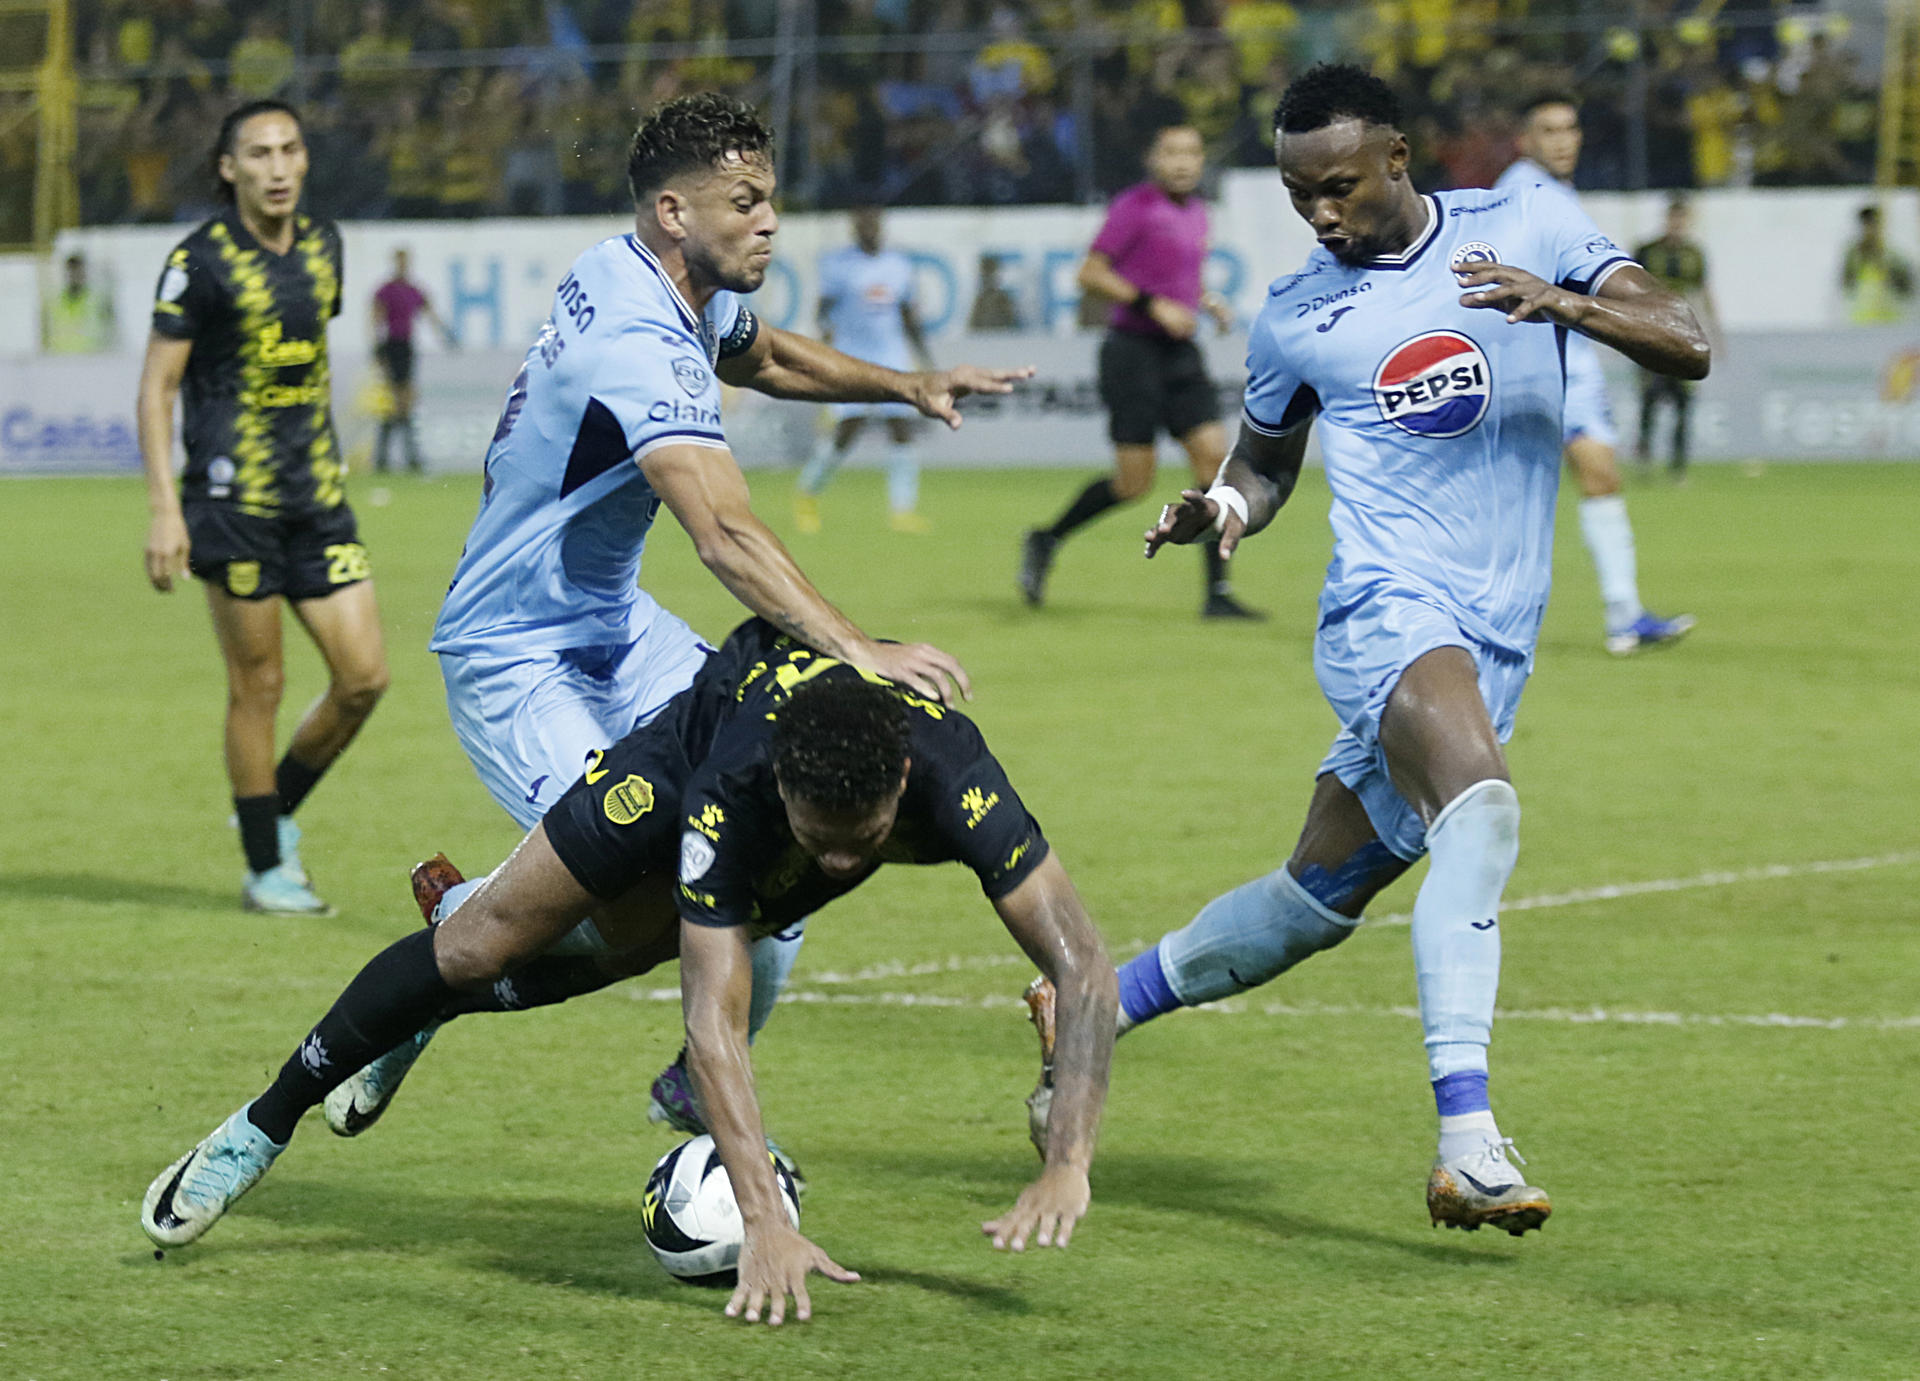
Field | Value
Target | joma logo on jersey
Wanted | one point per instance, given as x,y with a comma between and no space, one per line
1436,385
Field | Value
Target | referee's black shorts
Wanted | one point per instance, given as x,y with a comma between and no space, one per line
1152,384
396,358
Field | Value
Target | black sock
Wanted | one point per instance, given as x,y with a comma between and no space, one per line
1094,500
1216,568
259,818
380,446
396,994
294,780
539,983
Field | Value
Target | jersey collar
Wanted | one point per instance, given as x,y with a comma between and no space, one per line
1407,257
647,257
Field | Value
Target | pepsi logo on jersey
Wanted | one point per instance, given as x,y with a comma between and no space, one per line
1435,385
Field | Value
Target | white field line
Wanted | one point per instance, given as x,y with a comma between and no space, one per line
810,994
1591,1016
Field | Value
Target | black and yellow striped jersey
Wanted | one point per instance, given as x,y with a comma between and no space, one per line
258,419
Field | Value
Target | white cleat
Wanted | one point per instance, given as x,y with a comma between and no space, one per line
357,1104
1482,1188
193,1193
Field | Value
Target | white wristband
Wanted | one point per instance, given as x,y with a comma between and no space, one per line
1230,500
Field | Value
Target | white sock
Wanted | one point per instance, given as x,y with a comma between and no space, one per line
1465,1132
819,469
1473,844
773,957
903,477
1609,534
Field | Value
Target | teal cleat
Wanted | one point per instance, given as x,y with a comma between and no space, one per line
289,834
357,1104
194,1192
279,893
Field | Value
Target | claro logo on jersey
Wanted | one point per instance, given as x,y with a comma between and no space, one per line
1436,385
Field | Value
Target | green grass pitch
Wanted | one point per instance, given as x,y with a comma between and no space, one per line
1717,1081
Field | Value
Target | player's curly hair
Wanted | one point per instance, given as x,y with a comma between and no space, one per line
689,134
840,744
230,131
1333,91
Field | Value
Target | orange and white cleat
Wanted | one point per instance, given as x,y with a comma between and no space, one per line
1482,1189
432,880
1039,997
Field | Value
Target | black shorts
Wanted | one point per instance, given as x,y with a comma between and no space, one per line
1152,384
621,821
303,556
396,359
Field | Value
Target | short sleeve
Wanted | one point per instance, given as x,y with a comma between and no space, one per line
715,885
1120,229
649,393
185,298
979,816
1278,400
735,327
1581,256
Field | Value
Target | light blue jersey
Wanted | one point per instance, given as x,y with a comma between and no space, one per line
1440,428
1589,413
862,295
621,367
1439,424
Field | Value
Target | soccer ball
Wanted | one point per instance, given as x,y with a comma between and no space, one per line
692,1220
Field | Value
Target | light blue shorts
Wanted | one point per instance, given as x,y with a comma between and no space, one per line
1358,661
528,723
1589,411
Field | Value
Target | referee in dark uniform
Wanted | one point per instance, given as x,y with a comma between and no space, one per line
1679,265
261,516
1147,261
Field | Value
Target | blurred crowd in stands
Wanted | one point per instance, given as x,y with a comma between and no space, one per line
454,108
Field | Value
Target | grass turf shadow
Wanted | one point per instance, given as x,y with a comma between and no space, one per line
94,889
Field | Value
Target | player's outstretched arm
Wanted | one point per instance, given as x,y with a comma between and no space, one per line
1654,328
786,365
716,985
1261,472
1045,915
160,376
704,488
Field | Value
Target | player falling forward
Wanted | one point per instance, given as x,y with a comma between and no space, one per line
548,646
1549,152
240,329
866,309
1147,261
778,782
1423,332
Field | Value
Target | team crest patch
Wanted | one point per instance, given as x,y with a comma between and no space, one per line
1473,252
692,376
627,801
243,578
173,283
696,856
1436,385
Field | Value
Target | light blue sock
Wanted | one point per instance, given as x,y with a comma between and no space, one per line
773,957
903,477
1252,934
819,469
1473,844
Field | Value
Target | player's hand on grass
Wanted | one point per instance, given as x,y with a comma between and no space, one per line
167,548
1191,519
938,391
921,667
775,1264
1045,1212
1173,318
1514,291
